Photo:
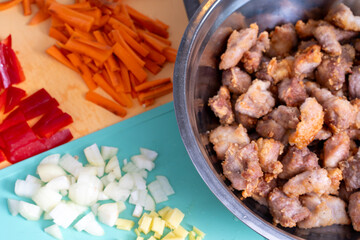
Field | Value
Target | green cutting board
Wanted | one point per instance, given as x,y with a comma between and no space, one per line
157,130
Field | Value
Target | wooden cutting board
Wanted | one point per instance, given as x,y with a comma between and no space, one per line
42,71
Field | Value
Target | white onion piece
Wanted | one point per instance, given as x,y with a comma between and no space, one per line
143,162
32,179
48,171
157,192
137,211
149,203
25,188
108,152
59,183
138,197
13,206
93,155
54,231
83,194
150,154
143,173
114,192
100,171
139,181
70,164
29,211
125,161
121,206
108,213
89,224
47,198
84,221
90,180
126,182
64,214
89,170
114,167
53,158
108,179
47,216
130,167
164,182
102,196
94,208
64,192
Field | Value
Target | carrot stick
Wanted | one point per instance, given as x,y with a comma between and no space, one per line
105,103
162,24
56,34
119,25
69,29
120,86
40,3
170,54
157,92
86,59
118,97
147,103
56,22
72,17
93,43
80,5
155,43
9,4
152,66
150,84
56,53
130,62
93,67
93,12
84,70
26,7
133,43
122,18
161,39
154,55
113,80
40,16
125,78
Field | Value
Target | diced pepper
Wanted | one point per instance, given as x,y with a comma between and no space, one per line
54,113
16,72
13,97
3,99
5,69
54,125
2,156
58,138
12,119
7,41
2,143
41,109
26,151
18,136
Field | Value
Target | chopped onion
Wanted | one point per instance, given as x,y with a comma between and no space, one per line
108,152
150,154
137,211
93,155
84,221
100,171
29,211
53,158
143,162
102,196
164,182
91,180
47,216
138,197
94,208
47,198
64,192
83,194
31,178
64,214
157,192
54,231
149,203
108,213
139,181
108,179
25,188
48,171
114,192
130,167
70,164
13,206
121,206
89,170
59,183
126,182
89,224
114,167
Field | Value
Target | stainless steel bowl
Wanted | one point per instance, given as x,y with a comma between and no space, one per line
196,78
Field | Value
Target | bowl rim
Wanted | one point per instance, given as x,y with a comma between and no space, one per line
217,187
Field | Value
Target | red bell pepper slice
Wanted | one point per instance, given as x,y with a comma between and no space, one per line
58,138
16,72
18,136
2,156
26,151
3,99
5,67
54,125
7,41
44,120
13,97
41,109
12,119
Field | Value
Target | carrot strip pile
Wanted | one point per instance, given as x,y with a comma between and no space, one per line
111,45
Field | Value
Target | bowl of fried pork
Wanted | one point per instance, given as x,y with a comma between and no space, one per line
267,99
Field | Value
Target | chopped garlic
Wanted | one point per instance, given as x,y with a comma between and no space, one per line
173,218
124,224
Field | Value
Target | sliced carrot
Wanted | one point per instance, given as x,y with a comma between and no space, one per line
40,16
157,92
125,77
80,5
118,97
152,66
56,34
93,43
56,22
93,67
170,54
69,29
154,55
122,18
93,12
161,39
105,103
162,24
113,78
130,62
155,43
124,11
119,25
147,103
150,84
57,54
72,17
84,70
26,7
9,4
40,3
86,59
120,86
133,43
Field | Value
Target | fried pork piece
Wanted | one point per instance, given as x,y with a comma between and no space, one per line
312,119
325,211
263,73
288,117
307,60
245,120
292,92
241,167
222,136
313,181
331,72
262,191
356,104
343,17
339,113
282,40
296,161
279,70
285,210
354,83
354,210
323,134
252,58
335,175
270,129
336,149
326,36
238,43
236,80
257,101
351,173
220,104
269,150
305,44
357,45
